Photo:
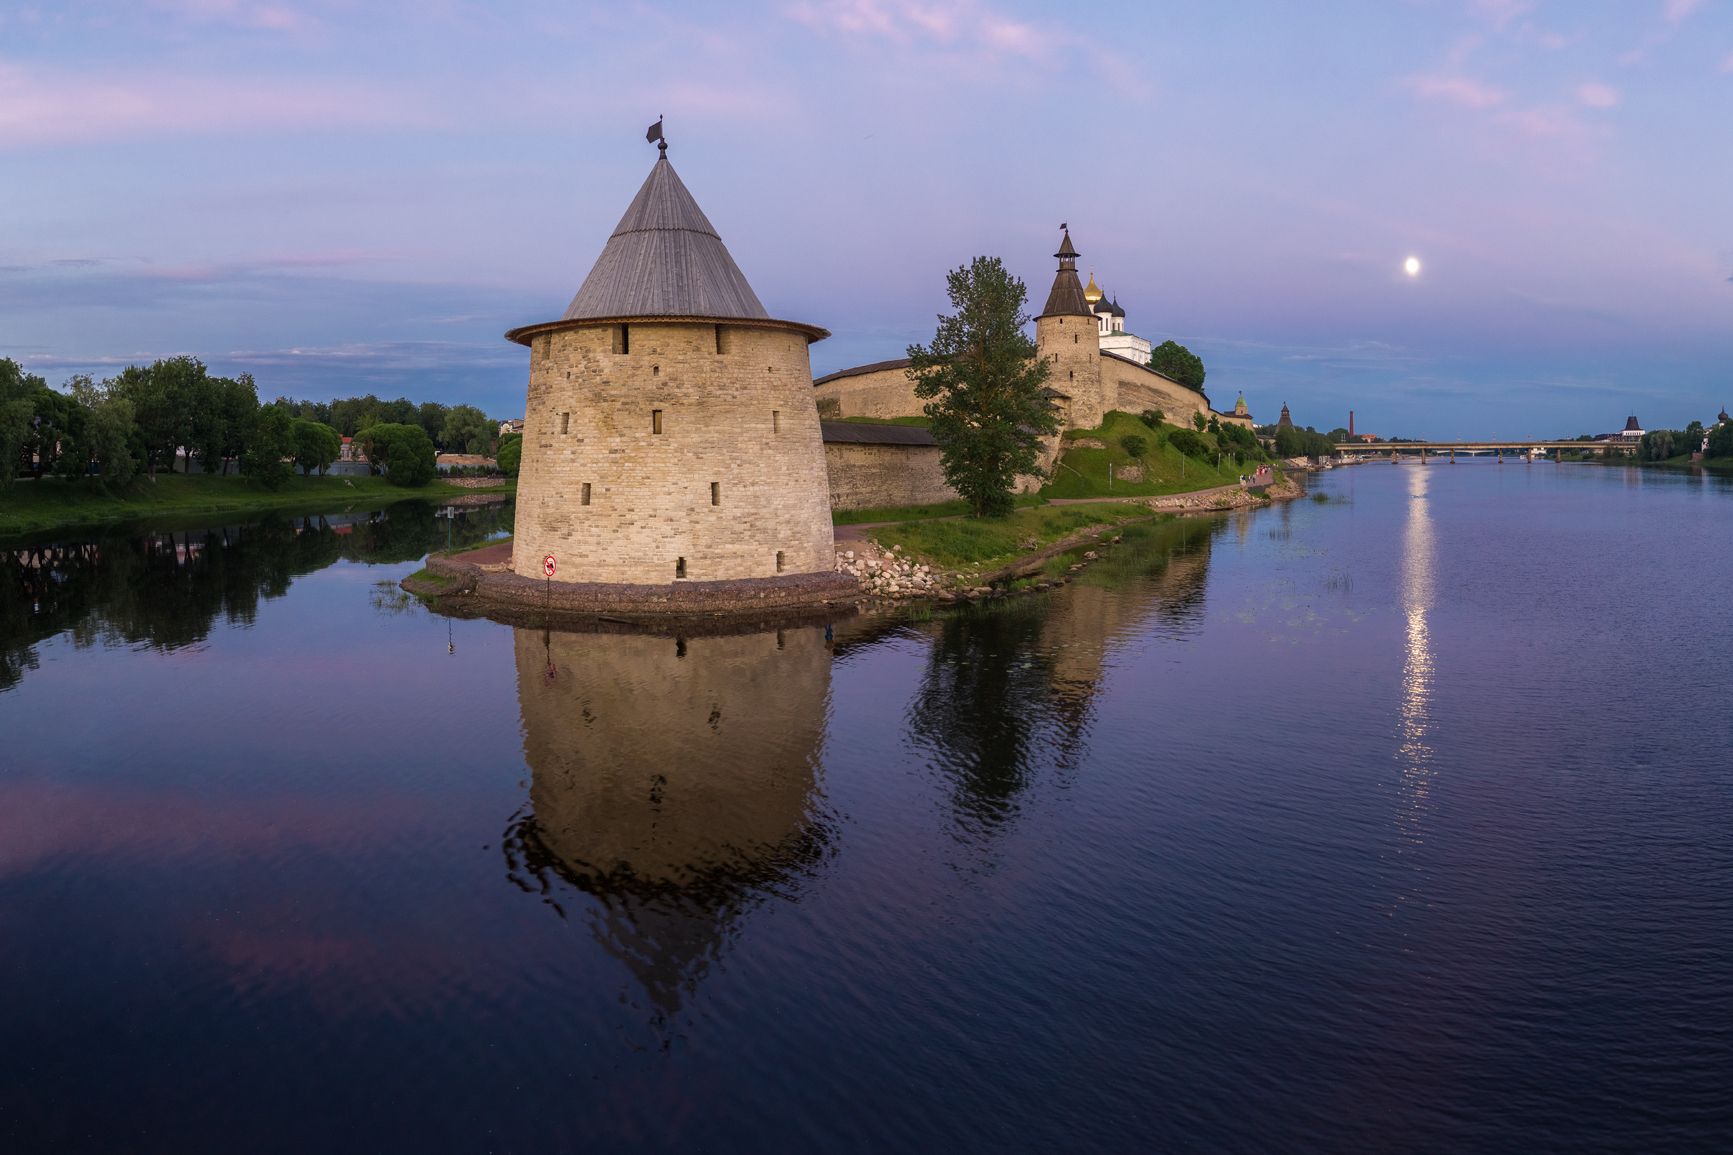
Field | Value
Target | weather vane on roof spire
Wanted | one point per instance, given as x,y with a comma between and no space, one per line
655,133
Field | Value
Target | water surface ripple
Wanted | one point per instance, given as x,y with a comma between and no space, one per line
1395,821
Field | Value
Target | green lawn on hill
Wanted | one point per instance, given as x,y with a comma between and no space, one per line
1083,472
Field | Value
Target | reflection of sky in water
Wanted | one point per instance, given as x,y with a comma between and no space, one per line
1166,837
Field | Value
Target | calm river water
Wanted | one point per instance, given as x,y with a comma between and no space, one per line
1402,821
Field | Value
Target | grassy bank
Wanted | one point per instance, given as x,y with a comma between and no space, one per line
875,515
54,504
1083,469
969,543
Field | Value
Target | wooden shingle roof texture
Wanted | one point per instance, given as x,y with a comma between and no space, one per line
665,259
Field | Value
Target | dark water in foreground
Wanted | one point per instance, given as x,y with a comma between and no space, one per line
1403,822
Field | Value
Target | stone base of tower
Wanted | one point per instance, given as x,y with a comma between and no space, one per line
493,592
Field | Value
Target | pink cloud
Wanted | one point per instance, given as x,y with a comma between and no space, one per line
1595,95
240,13
963,26
42,106
1677,10
1458,90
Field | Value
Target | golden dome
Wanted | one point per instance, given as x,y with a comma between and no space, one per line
1092,292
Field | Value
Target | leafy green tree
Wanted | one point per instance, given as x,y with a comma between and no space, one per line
983,385
467,430
404,453
17,409
1658,445
1189,443
109,437
56,433
431,415
1721,441
316,445
1197,422
164,398
1174,360
1133,445
223,415
1153,418
270,446
1215,423
510,455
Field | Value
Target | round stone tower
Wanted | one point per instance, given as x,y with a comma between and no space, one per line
1067,335
670,433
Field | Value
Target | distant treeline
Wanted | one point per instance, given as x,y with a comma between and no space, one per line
1665,444
145,417
1293,441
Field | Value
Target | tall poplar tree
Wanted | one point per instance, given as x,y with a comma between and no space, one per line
984,387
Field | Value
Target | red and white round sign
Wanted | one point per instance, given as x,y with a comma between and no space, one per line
548,566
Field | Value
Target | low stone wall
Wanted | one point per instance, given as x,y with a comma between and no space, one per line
492,586
872,476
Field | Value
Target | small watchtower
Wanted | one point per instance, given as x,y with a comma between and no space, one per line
1067,336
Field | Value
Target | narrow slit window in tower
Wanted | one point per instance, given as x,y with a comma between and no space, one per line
1071,374
776,421
622,338
721,345
655,370
565,422
679,568
584,494
715,493
1074,338
655,421
778,561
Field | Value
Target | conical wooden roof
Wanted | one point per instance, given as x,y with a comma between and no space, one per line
665,260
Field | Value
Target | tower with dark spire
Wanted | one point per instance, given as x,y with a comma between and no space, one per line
1067,337
670,431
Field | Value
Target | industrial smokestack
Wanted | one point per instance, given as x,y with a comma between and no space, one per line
1350,425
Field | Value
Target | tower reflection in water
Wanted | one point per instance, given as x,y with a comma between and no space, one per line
675,782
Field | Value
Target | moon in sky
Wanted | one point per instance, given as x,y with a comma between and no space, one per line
1411,266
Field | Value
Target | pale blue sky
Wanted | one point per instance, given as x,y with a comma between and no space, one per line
345,197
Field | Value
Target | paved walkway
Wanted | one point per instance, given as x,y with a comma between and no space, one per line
496,554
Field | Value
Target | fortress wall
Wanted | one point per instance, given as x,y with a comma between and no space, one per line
882,393
742,419
1136,389
870,476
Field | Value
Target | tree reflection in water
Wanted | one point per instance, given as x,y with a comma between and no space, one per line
166,590
1010,685
675,782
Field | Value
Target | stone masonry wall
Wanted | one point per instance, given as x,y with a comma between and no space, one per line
742,420
870,476
885,393
1072,347
1137,389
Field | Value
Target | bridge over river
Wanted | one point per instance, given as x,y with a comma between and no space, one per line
1517,448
